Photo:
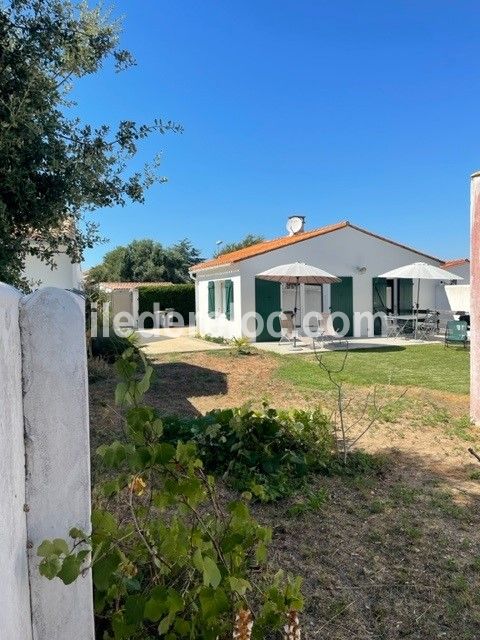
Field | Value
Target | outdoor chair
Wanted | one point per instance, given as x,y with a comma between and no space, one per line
326,331
287,328
392,328
456,333
428,328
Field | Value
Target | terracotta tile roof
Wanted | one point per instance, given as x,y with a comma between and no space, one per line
131,285
265,247
285,241
456,263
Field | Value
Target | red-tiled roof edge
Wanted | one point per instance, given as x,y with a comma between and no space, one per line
272,245
456,263
265,247
132,285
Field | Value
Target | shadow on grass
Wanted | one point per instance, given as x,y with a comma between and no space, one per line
386,349
182,381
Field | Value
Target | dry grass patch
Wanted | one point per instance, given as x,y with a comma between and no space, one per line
385,557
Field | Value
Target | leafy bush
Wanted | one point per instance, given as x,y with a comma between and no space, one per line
180,297
110,348
241,346
176,563
269,452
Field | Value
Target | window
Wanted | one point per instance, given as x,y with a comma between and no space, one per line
220,298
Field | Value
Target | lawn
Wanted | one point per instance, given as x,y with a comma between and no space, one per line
428,366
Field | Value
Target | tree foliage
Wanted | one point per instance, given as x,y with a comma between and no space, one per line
147,261
53,166
247,241
110,268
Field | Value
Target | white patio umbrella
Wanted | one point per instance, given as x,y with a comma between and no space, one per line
298,273
420,271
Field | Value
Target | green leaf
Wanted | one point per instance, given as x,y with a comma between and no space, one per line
197,560
122,394
156,606
104,522
213,602
77,534
211,573
164,453
70,569
60,547
239,585
134,609
104,568
50,566
45,549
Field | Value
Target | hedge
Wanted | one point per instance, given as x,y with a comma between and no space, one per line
180,297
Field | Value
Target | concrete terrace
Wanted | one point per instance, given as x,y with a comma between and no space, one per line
156,342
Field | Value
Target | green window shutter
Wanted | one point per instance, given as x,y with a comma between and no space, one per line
211,299
379,299
405,295
229,299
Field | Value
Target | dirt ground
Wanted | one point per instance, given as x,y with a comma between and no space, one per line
383,558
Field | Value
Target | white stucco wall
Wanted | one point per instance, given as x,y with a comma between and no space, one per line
14,588
340,252
57,453
442,301
66,275
218,326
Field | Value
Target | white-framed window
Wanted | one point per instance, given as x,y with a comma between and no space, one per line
220,296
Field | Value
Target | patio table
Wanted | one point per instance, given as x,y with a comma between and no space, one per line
406,318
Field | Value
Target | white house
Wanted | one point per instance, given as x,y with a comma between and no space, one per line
65,275
228,293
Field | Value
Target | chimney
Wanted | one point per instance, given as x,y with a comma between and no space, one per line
295,224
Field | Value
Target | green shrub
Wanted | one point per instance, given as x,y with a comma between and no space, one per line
109,348
241,346
180,297
168,558
268,452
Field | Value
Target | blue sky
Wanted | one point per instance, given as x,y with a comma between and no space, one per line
364,111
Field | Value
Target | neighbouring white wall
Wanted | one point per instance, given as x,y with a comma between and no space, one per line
442,301
218,326
57,453
341,253
66,275
15,617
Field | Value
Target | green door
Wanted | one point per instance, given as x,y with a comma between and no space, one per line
341,299
405,295
267,301
379,302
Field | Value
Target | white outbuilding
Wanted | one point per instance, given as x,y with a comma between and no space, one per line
229,293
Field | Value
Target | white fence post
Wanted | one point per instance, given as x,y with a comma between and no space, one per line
57,453
475,298
15,619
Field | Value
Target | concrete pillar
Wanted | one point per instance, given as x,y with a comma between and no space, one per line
475,298
57,453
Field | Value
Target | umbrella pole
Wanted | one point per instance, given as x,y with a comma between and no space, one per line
295,316
418,305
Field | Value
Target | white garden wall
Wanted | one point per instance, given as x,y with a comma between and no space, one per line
14,591
46,482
